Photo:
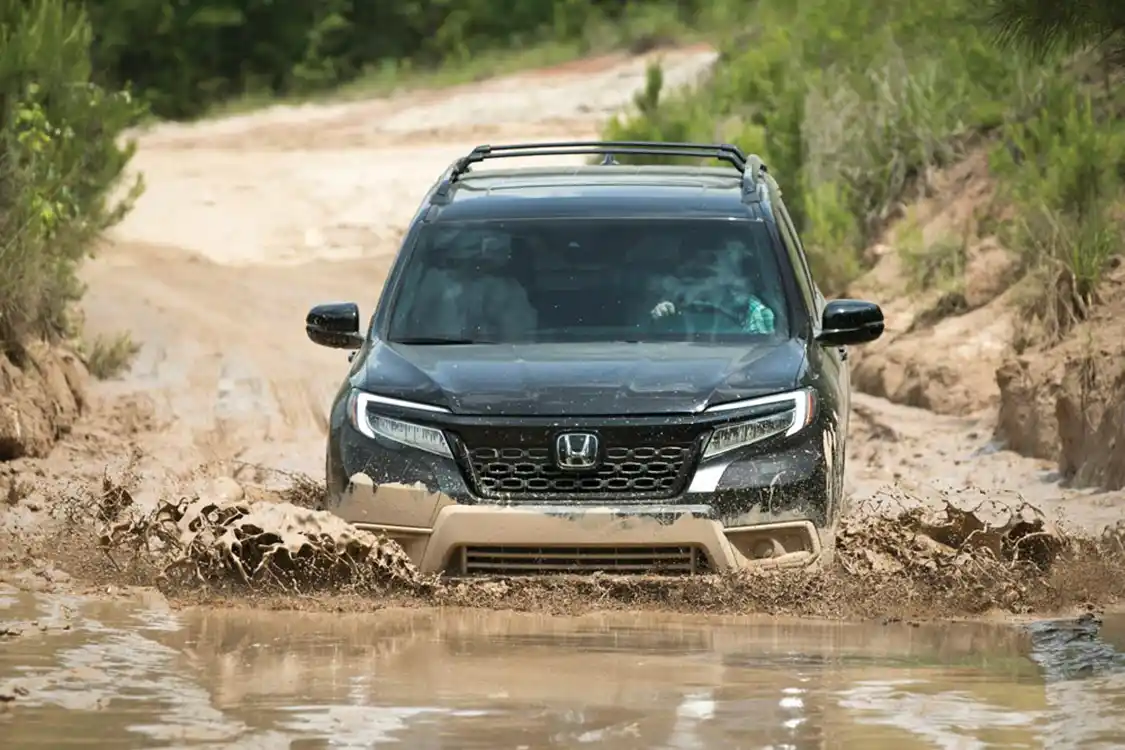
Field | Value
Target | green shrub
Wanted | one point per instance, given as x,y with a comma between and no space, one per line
930,262
59,159
1062,169
851,103
107,357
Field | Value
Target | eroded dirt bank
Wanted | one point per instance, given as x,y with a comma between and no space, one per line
966,345
249,221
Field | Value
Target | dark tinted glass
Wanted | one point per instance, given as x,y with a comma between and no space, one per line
555,281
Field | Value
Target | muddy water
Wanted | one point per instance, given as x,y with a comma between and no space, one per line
137,674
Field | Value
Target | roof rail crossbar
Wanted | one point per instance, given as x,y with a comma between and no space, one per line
748,166
703,148
619,151
723,151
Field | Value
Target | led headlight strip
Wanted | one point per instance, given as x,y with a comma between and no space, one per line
429,439
799,409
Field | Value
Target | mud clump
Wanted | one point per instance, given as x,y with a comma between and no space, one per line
967,560
13,692
894,558
304,492
267,546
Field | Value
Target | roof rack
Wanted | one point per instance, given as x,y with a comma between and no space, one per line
749,166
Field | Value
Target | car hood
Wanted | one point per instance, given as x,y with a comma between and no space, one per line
582,379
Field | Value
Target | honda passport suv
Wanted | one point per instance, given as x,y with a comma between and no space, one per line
609,367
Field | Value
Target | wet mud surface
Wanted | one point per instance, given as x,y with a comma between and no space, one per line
135,673
165,579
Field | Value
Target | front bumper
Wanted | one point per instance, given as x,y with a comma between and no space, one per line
773,506
441,535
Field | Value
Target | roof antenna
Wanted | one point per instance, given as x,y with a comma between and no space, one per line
608,160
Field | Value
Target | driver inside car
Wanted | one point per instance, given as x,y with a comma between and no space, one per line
710,293
475,294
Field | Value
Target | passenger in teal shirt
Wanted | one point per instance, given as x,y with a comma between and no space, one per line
712,295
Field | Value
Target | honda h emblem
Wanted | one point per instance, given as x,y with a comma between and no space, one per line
576,450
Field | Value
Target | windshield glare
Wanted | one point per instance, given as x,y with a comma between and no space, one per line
558,281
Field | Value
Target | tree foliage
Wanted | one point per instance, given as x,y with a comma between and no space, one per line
1046,26
183,55
59,162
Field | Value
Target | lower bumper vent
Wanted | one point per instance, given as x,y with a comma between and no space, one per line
519,560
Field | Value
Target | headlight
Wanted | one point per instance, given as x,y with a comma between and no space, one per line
405,433
794,411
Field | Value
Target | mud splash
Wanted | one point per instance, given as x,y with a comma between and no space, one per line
895,559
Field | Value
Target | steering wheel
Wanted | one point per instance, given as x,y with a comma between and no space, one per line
700,305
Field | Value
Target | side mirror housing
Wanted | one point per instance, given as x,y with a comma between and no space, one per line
849,322
334,325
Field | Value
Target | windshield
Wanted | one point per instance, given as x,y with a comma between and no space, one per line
566,280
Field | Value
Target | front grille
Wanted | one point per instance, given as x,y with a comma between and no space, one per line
652,470
520,560
519,464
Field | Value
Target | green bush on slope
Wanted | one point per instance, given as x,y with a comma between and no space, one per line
1062,170
59,160
851,103
1063,167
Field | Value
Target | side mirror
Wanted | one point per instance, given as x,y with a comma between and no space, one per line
849,322
335,325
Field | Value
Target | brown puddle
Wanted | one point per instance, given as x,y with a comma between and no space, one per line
137,674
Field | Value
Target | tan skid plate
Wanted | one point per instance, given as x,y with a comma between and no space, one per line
433,528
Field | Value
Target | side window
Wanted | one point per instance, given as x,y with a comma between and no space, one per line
797,261
803,265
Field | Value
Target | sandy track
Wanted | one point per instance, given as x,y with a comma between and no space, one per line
293,185
248,221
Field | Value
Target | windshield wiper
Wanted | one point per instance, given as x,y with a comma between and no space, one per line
438,341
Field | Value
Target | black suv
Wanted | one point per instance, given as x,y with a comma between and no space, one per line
607,367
